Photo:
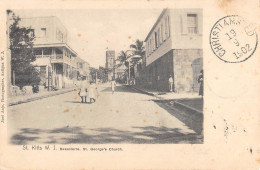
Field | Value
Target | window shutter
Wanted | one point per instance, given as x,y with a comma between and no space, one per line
184,23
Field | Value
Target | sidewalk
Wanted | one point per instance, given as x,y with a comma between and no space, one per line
188,101
15,100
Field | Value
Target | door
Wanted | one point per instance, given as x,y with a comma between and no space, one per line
196,68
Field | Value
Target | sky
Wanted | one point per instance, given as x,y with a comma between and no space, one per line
92,31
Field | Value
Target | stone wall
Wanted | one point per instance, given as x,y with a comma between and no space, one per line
177,63
183,72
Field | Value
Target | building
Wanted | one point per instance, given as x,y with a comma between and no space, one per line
83,71
110,64
174,47
55,59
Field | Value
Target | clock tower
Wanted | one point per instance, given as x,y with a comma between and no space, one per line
110,63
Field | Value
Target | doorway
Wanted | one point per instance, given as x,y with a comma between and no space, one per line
196,68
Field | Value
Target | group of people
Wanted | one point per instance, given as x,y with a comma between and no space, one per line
88,92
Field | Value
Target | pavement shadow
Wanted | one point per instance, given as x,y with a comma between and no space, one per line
192,119
80,135
25,135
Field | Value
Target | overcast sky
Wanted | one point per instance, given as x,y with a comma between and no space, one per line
92,31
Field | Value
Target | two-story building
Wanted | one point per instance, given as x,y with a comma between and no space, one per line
55,59
174,48
83,71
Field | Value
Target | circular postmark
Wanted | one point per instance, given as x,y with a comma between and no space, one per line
232,39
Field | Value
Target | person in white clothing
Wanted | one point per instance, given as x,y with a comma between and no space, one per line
170,83
83,92
92,93
113,85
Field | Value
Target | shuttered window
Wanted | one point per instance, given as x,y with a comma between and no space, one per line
192,23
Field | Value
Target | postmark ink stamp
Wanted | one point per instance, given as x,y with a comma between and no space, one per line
233,39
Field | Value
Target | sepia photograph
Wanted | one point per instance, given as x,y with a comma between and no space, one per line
75,81
89,84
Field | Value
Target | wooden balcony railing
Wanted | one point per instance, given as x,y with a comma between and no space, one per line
53,57
59,58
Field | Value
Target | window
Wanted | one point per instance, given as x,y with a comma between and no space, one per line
148,48
156,41
159,36
43,32
152,39
192,23
162,33
47,51
166,28
37,51
168,21
151,46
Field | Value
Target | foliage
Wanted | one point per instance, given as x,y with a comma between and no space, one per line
21,47
28,76
138,47
122,57
101,73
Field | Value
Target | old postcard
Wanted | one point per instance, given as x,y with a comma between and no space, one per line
130,84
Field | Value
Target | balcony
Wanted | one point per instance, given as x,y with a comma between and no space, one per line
55,58
59,58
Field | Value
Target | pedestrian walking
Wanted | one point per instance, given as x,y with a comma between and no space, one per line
113,85
83,92
200,80
170,83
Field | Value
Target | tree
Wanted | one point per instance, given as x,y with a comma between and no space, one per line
102,73
21,47
138,48
122,57
93,72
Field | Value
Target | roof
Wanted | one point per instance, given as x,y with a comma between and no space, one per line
157,21
82,60
54,17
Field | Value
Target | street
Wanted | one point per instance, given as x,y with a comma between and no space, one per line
126,116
